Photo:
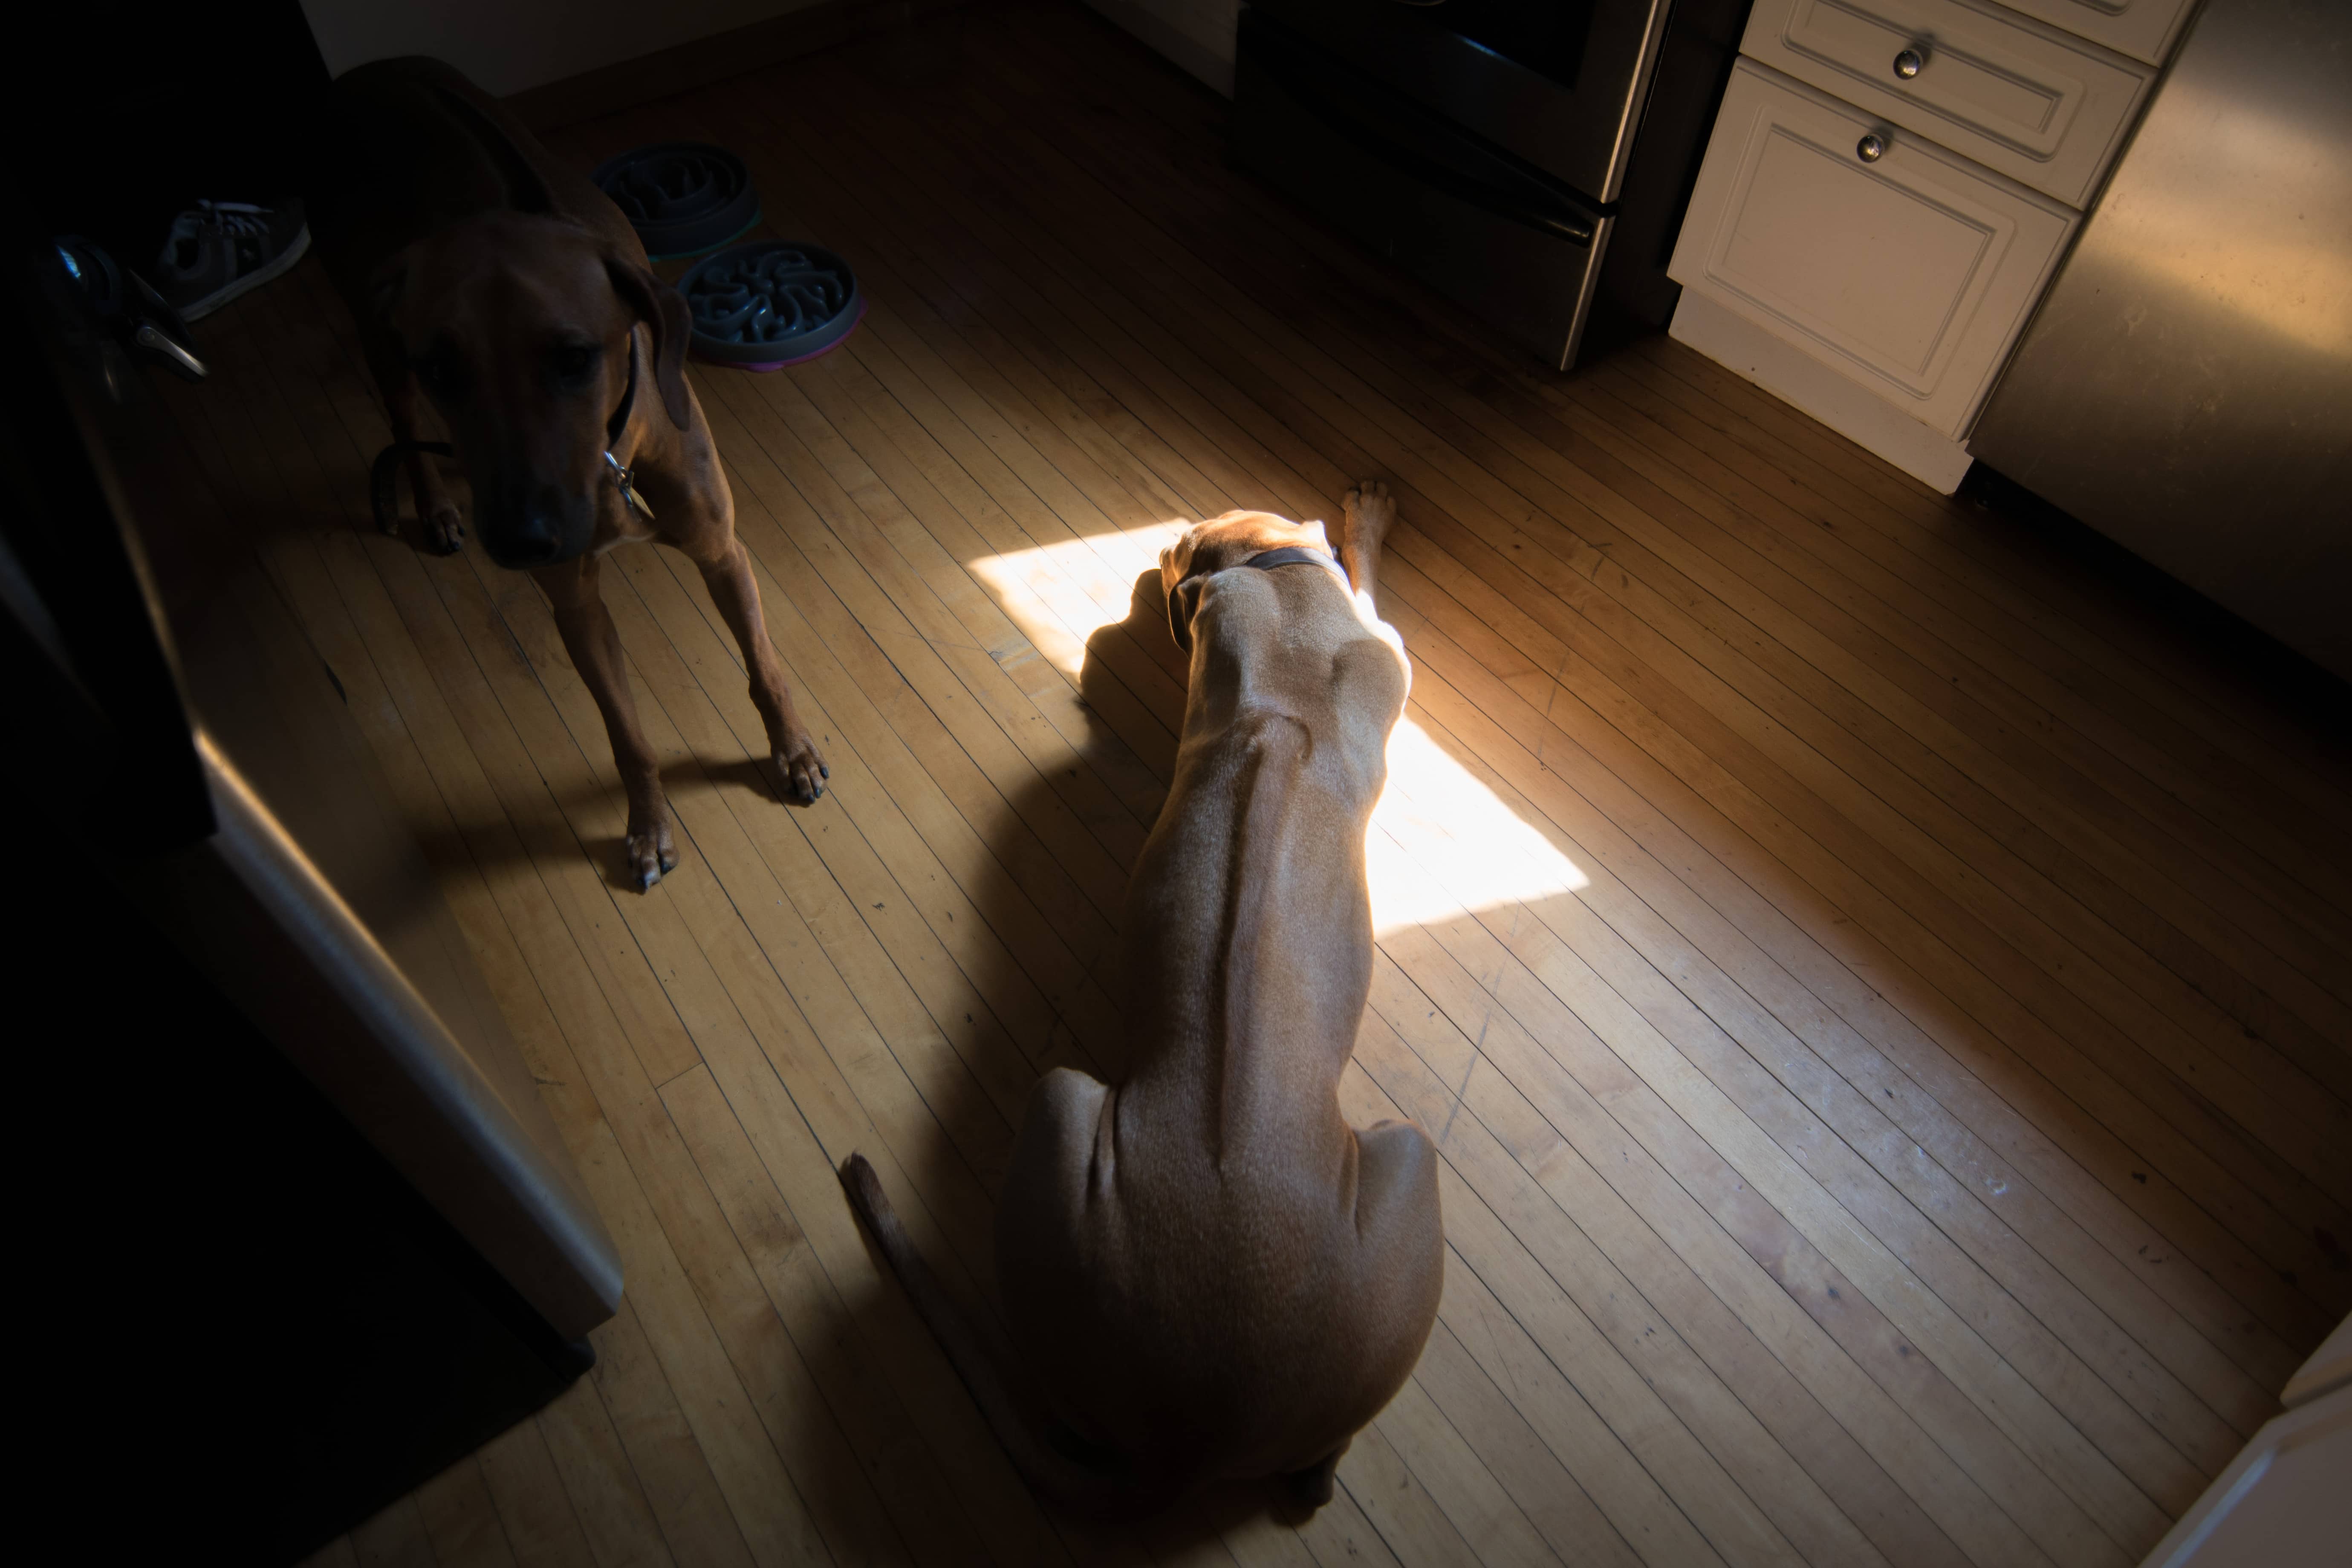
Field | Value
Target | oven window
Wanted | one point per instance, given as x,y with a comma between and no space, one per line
1545,35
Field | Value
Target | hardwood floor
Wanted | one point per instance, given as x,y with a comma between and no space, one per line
1881,981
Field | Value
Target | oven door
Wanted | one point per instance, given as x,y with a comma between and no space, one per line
1510,245
1559,83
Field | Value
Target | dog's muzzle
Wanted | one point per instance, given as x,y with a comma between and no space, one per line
539,529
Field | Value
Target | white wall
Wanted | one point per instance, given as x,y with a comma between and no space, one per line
505,45
1196,34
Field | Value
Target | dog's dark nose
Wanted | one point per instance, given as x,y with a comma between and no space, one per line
538,535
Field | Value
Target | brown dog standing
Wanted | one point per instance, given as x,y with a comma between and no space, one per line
515,295
1206,1272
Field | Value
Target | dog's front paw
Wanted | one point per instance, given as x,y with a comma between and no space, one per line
650,852
445,529
800,772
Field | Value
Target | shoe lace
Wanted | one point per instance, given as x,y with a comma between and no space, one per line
241,220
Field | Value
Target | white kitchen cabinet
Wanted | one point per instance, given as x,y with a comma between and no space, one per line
1887,259
2143,30
2018,96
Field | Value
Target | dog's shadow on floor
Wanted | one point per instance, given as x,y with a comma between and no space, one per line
496,846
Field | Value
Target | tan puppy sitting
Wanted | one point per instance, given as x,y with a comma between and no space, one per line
1207,1273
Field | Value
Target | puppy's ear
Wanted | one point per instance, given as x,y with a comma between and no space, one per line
1174,562
663,309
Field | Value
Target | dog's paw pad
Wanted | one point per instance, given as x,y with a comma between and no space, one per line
801,774
650,855
445,532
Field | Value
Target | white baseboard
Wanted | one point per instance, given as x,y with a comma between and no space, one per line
1204,60
1803,381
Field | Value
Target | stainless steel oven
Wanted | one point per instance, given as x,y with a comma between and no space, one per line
1530,158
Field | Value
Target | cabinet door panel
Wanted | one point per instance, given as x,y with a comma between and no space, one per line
2143,30
1910,275
2024,99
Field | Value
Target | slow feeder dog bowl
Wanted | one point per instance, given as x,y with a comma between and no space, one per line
682,197
771,303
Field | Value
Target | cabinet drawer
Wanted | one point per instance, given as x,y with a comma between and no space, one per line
2143,30
2012,94
1910,275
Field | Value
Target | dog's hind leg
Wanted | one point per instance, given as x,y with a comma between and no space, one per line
594,645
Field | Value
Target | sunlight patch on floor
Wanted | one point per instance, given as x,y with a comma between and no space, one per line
1442,842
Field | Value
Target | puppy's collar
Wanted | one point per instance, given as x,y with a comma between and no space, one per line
615,426
1300,555
1184,598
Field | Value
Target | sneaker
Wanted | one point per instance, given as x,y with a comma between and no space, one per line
223,248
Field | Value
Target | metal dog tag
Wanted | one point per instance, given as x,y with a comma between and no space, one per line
622,477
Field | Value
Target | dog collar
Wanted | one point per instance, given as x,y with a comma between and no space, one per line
614,426
1185,596
1299,555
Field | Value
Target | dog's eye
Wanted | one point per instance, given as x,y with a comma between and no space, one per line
573,360
442,374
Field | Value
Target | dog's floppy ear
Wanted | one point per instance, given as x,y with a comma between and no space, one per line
663,309
1184,603
526,190
1183,597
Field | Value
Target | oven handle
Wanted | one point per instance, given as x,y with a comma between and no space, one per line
1420,166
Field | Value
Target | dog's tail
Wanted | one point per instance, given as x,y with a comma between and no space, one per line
1067,1473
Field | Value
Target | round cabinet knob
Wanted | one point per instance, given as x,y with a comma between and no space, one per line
1908,63
1871,148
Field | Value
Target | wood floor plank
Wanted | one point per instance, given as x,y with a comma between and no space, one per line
1561,1511
1924,1077
599,1479
1716,1416
1341,1536
2220,1249
395,1538
1486,1120
2136,808
2109,629
1477,1505
1409,1520
2188,934
541,1526
876,1429
1907,1300
337,1553
462,1520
